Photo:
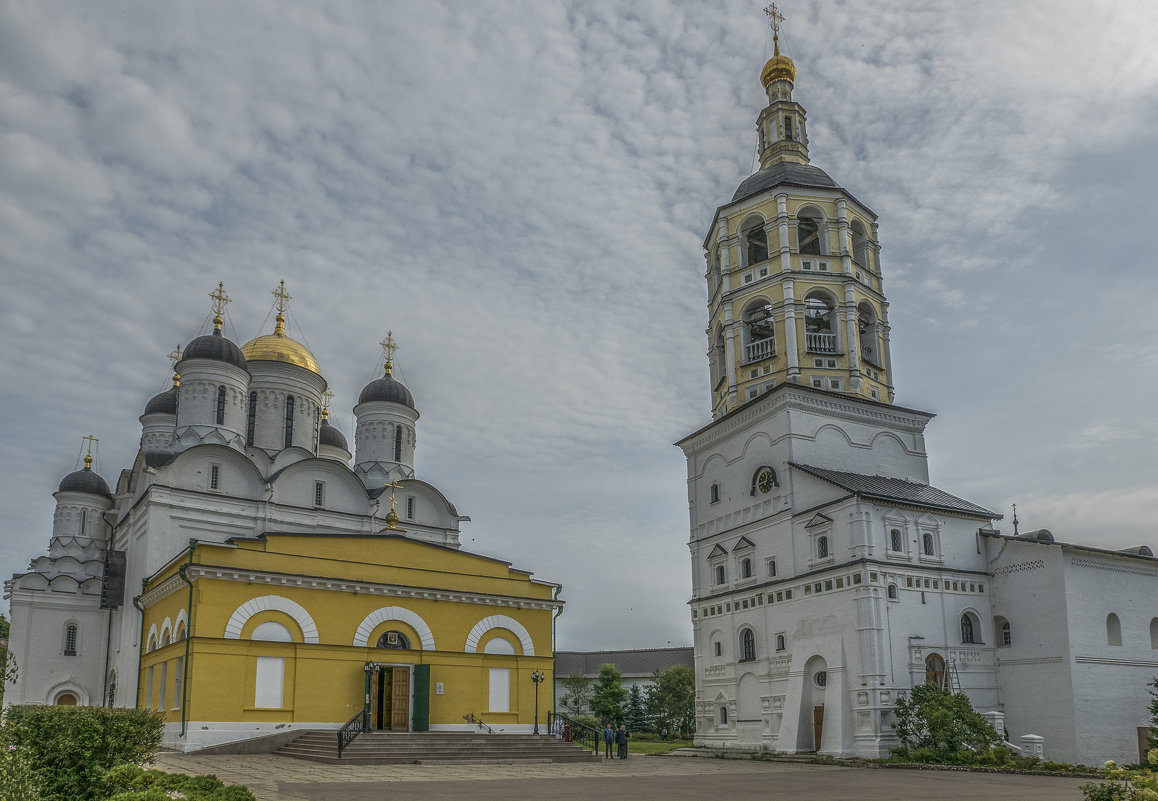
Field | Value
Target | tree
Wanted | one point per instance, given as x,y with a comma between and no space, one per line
1153,743
608,696
7,660
635,715
576,695
943,722
671,699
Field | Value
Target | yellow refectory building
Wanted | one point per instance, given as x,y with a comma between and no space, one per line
310,629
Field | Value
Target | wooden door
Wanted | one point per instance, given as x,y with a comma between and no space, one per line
817,726
400,699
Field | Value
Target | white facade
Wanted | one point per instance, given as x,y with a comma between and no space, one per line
225,454
828,577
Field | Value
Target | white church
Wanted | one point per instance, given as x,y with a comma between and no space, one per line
828,576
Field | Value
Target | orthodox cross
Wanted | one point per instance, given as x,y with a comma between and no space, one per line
327,396
283,297
88,456
220,301
175,357
389,347
393,485
774,17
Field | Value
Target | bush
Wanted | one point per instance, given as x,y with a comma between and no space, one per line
941,726
71,748
131,783
17,781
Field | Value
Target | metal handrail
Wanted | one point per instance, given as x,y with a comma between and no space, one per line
470,718
574,731
349,732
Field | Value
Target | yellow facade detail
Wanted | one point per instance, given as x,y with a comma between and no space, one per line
331,600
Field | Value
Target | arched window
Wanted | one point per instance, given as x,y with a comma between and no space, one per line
892,592
251,423
755,243
860,248
715,493
66,699
896,540
398,443
779,642
397,640
968,631
289,421
747,646
180,632
1113,630
927,543
1154,633
935,670
723,716
759,332
820,322
220,405
771,568
822,547
719,365
719,574
70,636
745,568
868,330
1004,632
717,648
810,234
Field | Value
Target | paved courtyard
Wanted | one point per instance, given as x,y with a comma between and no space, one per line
645,778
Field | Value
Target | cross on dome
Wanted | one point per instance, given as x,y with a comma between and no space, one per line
220,301
88,456
389,347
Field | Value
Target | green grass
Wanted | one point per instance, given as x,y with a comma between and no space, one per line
656,747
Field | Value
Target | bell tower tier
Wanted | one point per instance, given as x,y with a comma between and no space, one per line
795,290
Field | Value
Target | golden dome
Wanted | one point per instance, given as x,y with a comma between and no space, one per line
778,68
277,347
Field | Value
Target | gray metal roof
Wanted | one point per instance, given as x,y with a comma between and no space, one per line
897,490
784,173
638,664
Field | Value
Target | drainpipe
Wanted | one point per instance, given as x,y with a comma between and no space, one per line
140,644
181,571
554,655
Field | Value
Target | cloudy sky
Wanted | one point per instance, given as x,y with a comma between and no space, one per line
518,190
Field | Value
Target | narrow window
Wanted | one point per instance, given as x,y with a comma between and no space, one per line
149,688
756,240
935,670
410,507
220,405
83,520
808,233
895,540
398,444
214,476
1006,633
771,568
779,642
719,574
1153,633
892,592
748,645
319,492
746,568
1113,630
967,629
718,648
822,547
723,715
788,128
249,426
289,421
70,632
927,539
178,670
715,493
111,695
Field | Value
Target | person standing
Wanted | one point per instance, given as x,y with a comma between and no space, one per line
621,740
608,739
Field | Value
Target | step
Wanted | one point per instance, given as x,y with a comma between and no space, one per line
467,748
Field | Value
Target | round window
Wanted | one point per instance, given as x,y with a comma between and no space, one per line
821,678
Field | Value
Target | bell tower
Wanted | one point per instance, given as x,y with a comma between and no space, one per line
795,289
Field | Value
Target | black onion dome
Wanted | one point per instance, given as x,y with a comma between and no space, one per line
165,403
328,435
215,346
85,481
389,390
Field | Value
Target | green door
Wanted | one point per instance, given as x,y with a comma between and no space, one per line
421,698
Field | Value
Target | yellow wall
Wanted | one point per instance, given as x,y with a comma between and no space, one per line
324,681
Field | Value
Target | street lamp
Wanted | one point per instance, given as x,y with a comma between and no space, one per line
538,677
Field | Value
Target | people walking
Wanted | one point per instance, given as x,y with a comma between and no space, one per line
608,739
621,740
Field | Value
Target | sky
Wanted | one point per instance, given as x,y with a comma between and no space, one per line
519,192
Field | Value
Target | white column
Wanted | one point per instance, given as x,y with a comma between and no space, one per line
886,353
790,349
844,236
731,356
782,219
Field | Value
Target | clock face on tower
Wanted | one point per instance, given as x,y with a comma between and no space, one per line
766,479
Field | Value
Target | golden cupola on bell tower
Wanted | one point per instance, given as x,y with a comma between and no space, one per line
795,291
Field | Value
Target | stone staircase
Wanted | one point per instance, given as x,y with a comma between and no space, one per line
389,748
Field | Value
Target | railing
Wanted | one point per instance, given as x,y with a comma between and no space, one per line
573,731
349,732
760,349
821,343
470,718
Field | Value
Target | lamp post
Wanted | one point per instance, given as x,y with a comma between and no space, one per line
538,677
